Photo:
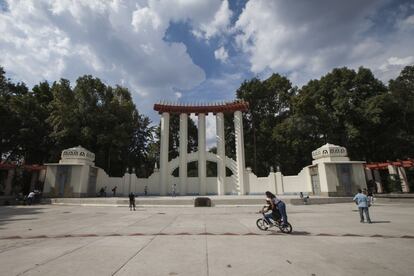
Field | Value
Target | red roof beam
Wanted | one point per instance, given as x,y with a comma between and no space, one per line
182,108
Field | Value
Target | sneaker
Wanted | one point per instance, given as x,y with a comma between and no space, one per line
361,221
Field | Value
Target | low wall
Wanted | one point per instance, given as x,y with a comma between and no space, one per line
129,182
277,183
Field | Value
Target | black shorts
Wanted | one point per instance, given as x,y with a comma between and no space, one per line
276,214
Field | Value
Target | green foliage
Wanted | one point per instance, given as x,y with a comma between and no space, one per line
269,103
402,101
345,107
39,124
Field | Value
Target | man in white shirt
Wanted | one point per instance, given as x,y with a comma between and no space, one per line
30,197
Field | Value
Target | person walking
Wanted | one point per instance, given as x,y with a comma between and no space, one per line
362,201
131,201
145,190
114,190
174,190
370,196
102,192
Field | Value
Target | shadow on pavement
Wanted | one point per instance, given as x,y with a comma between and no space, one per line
12,213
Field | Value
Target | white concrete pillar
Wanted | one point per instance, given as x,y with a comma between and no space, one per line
238,131
405,187
183,153
394,173
323,179
392,170
165,127
368,174
202,169
279,183
377,179
221,153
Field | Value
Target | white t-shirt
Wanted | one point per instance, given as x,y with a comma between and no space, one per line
31,194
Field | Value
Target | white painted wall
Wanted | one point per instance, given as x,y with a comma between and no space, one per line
259,185
292,184
275,182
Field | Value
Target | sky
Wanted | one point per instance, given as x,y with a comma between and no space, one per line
196,51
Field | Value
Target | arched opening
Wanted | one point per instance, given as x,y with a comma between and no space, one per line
192,170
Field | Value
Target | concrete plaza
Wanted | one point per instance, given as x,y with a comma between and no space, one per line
107,240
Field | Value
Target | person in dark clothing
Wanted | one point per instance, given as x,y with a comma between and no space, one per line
102,192
114,190
131,201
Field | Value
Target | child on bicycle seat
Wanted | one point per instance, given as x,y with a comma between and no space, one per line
266,208
274,215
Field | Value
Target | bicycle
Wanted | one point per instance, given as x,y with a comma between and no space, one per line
264,225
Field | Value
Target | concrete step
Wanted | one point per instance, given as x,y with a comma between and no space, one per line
189,201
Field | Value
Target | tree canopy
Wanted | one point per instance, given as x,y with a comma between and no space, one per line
40,123
345,107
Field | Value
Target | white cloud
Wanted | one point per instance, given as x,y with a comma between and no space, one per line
178,95
396,62
221,54
145,20
218,24
306,39
211,139
117,41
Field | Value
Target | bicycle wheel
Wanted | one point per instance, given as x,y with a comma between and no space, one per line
262,224
287,228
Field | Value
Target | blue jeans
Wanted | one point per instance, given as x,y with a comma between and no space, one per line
363,210
269,217
281,206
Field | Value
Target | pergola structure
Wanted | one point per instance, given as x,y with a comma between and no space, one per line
236,107
394,168
35,169
384,165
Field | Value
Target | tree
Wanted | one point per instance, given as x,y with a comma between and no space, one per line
102,119
269,103
8,117
402,94
34,132
63,118
344,107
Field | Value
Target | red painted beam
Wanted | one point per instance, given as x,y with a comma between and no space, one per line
384,165
182,108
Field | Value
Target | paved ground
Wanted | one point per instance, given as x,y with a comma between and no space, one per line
327,240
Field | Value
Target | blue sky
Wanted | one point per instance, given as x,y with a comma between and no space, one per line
200,50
